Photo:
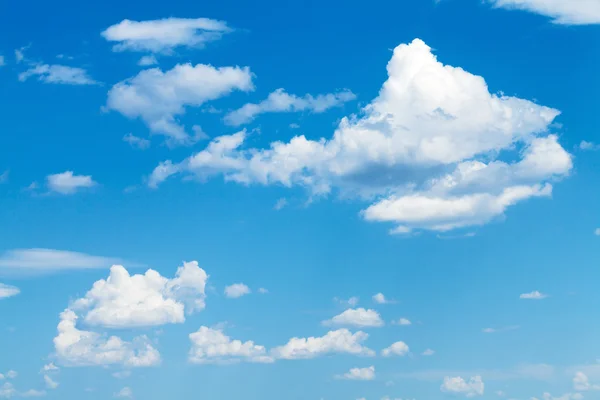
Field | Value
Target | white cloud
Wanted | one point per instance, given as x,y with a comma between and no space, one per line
404,322
75,347
262,290
126,301
40,261
12,374
146,61
8,291
396,349
50,383
597,232
236,290
122,374
126,393
50,368
535,295
144,96
574,12
581,382
280,203
280,101
566,396
379,298
68,183
359,317
137,142
359,374
585,145
339,341
352,301
164,35
474,387
7,391
432,148
428,352
212,346
502,329
58,74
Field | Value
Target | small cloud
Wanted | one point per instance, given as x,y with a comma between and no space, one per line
31,393
588,146
199,134
147,61
358,317
535,295
67,183
12,374
50,368
403,322
50,383
352,301
396,349
137,142
502,329
379,298
281,203
597,232
58,74
4,177
2,63
294,126
263,291
126,392
8,291
457,385
121,374
428,352
359,374
237,290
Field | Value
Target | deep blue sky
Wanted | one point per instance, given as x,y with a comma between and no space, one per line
450,284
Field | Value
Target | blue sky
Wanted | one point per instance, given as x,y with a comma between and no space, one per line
266,200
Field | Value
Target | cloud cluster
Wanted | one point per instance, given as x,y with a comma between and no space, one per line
126,301
339,341
359,374
212,346
432,150
396,349
164,35
280,101
158,97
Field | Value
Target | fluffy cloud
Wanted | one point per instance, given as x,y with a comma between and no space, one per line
164,35
158,97
8,291
59,74
339,341
379,298
280,101
356,317
126,301
582,383
535,295
68,183
432,148
404,322
236,290
581,12
396,349
40,261
50,368
212,346
585,145
75,347
474,387
359,374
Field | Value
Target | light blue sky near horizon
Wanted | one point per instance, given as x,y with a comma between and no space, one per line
450,285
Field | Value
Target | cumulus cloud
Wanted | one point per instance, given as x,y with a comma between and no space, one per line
396,349
164,35
280,101
75,347
41,261
144,96
457,385
535,295
404,322
237,290
68,183
359,374
582,383
126,301
359,317
379,298
58,74
8,291
585,145
433,149
581,12
212,346
339,341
